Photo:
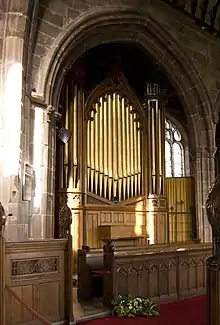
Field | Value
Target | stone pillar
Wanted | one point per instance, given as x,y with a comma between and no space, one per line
204,176
41,221
157,201
213,263
11,110
16,33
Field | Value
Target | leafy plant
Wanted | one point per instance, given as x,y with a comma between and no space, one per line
128,306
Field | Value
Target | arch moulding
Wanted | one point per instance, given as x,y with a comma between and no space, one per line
107,26
92,29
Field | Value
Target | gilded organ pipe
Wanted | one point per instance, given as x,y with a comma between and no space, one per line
135,156
120,152
156,140
74,137
101,139
110,173
105,138
66,146
70,149
128,152
92,155
139,160
70,142
114,143
89,135
132,150
124,160
96,147
114,153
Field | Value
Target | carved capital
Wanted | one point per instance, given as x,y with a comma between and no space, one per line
52,115
155,202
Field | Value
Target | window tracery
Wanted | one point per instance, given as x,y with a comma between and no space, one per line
174,151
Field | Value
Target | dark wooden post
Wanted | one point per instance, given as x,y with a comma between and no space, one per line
65,221
108,280
2,258
84,291
69,273
213,263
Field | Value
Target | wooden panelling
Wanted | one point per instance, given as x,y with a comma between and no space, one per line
162,275
14,310
38,273
53,310
95,219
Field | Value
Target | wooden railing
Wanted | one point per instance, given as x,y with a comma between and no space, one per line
204,13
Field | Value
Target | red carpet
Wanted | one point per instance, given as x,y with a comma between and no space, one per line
190,311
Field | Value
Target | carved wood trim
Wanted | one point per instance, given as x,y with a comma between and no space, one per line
119,84
32,267
36,246
97,200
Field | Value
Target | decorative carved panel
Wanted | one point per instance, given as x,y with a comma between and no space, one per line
167,274
34,266
150,265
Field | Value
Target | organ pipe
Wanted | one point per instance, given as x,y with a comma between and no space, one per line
66,159
105,138
156,141
114,148
73,97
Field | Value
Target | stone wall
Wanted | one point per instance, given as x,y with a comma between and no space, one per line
40,37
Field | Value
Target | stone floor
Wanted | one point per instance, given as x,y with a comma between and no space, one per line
84,312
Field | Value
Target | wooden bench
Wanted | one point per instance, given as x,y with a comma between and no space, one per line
91,266
163,274
91,271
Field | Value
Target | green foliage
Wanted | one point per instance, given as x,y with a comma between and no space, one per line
127,306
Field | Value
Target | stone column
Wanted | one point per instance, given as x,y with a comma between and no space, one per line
157,201
204,176
213,263
44,148
11,119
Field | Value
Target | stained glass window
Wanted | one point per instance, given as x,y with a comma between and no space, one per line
174,151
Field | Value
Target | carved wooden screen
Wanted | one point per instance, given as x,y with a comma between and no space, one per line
114,155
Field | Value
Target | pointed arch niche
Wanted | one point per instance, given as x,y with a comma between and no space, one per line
114,141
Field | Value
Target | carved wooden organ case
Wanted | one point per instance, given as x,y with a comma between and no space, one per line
102,172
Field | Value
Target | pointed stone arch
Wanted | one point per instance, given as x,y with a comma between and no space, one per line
139,28
136,26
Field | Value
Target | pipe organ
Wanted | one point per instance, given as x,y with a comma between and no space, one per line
111,172
114,161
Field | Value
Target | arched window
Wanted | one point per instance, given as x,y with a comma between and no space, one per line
174,151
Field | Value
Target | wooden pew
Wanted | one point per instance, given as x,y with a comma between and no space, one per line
166,274
91,266
90,269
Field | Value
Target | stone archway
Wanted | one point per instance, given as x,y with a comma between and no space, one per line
133,26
